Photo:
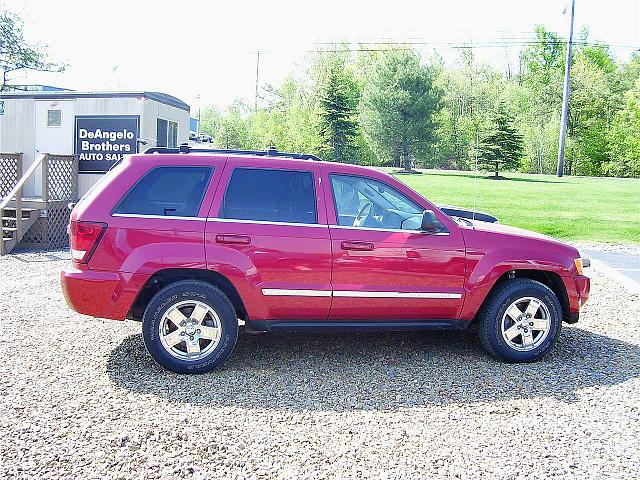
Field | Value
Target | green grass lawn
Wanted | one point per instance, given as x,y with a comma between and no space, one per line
570,208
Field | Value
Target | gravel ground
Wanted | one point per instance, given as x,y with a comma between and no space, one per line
629,248
79,398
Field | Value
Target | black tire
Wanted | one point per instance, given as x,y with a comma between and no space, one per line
495,307
185,291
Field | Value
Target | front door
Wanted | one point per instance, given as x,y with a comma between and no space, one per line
269,235
53,134
384,267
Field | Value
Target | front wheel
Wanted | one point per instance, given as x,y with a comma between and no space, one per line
520,321
190,327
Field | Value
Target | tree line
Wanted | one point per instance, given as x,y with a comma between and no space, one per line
390,106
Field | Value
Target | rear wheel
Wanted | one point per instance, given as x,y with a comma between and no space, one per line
189,327
520,321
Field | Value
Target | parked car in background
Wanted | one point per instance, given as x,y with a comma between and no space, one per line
205,138
287,242
193,135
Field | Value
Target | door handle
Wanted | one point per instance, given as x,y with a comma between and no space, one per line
237,239
359,246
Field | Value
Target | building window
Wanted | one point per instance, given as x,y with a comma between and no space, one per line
166,133
161,133
172,137
54,118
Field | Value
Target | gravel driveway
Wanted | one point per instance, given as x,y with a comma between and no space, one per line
79,398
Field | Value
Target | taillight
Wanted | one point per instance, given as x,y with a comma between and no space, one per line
84,238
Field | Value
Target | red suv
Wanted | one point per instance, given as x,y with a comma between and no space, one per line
195,243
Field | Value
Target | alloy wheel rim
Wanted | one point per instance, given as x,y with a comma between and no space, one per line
190,330
526,324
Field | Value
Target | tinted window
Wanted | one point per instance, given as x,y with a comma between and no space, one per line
270,195
364,202
170,191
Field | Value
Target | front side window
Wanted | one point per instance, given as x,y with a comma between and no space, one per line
367,203
270,195
167,191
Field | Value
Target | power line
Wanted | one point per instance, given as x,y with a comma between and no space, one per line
409,45
383,46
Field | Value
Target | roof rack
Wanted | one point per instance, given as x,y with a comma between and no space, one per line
270,152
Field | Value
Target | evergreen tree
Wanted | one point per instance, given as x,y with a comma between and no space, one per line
400,104
337,109
502,147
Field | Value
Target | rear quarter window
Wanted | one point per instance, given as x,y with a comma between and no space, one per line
167,191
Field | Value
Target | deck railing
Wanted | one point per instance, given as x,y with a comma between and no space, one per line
10,171
59,183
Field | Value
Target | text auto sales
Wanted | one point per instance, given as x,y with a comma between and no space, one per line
104,150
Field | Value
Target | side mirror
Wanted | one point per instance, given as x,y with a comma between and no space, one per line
431,224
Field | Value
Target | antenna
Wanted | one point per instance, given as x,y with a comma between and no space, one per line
475,177
473,116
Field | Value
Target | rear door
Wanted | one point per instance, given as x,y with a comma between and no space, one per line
267,232
384,267
159,216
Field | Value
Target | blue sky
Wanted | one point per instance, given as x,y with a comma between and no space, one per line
207,48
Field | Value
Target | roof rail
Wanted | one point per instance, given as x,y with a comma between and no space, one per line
270,152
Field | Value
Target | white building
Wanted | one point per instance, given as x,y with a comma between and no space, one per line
55,145
98,127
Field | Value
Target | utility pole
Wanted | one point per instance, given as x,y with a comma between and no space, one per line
565,96
199,108
255,107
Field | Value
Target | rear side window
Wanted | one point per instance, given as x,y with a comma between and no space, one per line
167,191
270,195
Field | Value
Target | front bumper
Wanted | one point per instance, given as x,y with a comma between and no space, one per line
99,293
578,293
583,285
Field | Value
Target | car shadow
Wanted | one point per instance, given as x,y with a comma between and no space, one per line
377,371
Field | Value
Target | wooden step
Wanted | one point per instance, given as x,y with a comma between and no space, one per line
9,235
13,209
24,217
9,243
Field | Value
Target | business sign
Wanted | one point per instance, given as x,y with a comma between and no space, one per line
103,140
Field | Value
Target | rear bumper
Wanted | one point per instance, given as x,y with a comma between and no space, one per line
98,293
